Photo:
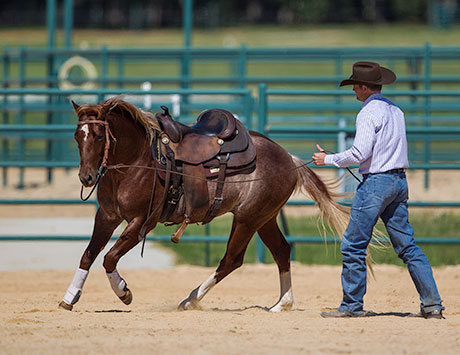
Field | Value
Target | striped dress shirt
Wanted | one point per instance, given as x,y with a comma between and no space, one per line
380,142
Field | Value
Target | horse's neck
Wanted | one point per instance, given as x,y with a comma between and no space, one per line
131,142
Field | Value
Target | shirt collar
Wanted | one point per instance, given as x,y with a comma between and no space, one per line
376,96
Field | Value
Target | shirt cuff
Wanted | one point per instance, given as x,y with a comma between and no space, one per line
329,160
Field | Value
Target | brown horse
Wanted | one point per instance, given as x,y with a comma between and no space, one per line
116,132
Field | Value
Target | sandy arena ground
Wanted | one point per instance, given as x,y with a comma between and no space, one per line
233,319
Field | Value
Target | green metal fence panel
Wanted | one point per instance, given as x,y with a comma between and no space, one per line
36,107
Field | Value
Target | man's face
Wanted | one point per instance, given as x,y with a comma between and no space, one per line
362,92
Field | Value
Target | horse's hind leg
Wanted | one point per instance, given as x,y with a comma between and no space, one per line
104,226
236,247
281,251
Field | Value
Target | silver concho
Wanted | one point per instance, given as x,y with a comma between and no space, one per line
165,140
220,141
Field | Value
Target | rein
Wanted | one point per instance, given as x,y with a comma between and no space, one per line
122,166
105,167
100,174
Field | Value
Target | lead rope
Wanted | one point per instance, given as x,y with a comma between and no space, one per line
100,174
348,169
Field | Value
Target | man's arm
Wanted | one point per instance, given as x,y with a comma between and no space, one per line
360,151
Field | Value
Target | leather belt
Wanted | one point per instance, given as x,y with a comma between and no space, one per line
392,171
401,170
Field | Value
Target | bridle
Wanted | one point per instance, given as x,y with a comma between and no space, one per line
103,168
108,135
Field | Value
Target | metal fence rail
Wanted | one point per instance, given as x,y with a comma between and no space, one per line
184,67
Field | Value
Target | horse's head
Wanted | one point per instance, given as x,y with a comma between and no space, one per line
93,138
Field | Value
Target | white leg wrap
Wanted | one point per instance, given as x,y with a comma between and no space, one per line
74,290
286,300
206,286
198,293
117,282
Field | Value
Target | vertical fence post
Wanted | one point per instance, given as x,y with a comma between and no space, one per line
68,23
5,147
120,70
242,65
185,77
247,107
50,115
187,22
21,117
427,109
104,67
262,122
262,111
341,135
51,22
51,10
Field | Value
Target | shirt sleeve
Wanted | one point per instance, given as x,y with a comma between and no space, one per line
363,143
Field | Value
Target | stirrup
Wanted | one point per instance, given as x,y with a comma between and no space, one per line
178,233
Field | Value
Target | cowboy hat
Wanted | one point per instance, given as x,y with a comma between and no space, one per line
369,73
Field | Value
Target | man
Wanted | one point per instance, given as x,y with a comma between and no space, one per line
380,149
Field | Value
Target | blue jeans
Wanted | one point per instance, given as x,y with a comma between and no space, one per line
385,196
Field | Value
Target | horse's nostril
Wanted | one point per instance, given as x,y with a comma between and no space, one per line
87,180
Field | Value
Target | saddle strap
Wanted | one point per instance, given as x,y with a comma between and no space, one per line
217,202
151,214
175,190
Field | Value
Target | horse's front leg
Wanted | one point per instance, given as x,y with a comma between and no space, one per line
127,241
104,226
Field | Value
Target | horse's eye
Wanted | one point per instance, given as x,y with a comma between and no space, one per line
99,137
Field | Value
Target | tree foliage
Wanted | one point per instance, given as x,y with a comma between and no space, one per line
137,14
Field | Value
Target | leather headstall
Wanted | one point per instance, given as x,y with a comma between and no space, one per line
108,135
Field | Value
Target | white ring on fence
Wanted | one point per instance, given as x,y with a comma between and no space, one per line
88,68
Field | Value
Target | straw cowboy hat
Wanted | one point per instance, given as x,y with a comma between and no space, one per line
369,73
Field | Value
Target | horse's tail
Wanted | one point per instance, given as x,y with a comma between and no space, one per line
321,192
311,185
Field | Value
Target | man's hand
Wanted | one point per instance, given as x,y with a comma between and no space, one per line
318,158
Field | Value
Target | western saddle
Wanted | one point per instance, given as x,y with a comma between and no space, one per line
216,146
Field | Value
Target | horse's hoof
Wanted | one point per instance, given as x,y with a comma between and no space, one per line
127,298
67,307
186,305
280,307
183,306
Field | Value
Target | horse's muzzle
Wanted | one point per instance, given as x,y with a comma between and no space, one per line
88,179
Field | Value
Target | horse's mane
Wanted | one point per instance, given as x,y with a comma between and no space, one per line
146,119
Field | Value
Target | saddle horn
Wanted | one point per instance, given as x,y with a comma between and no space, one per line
166,110
169,125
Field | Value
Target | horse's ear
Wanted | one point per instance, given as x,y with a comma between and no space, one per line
75,106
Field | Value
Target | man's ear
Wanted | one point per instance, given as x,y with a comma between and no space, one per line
75,106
